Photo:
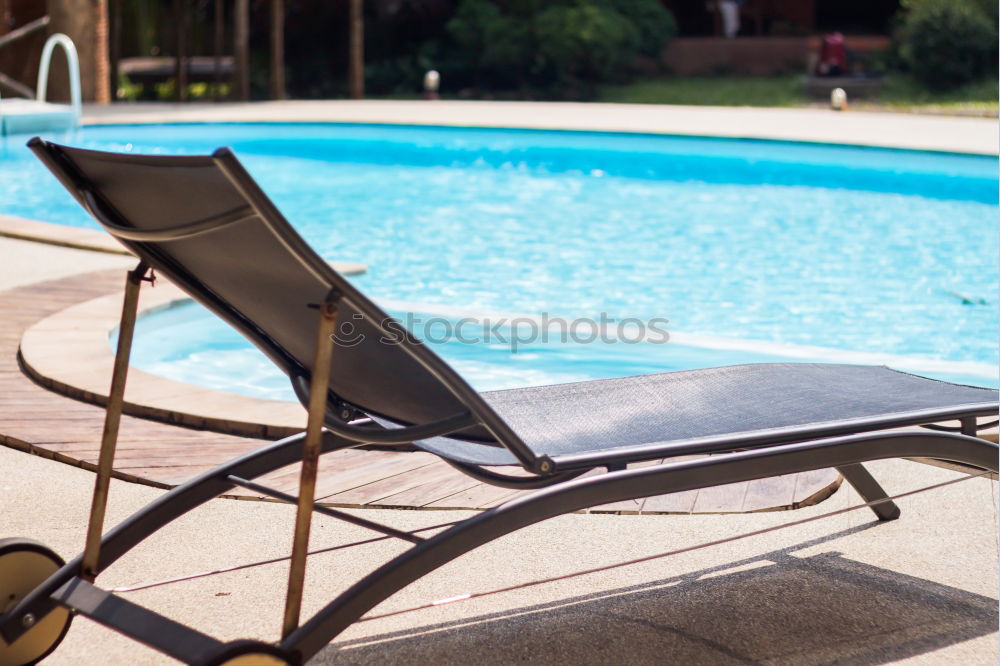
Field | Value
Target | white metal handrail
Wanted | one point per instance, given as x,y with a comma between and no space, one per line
72,63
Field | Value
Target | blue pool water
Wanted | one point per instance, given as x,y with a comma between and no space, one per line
752,250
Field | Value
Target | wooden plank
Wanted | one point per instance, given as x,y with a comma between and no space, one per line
481,496
370,493
772,493
429,492
682,502
721,499
627,506
815,486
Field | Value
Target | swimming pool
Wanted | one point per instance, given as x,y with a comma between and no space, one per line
752,250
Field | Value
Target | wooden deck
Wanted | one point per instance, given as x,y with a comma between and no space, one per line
42,422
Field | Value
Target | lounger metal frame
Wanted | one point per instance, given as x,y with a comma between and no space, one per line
558,491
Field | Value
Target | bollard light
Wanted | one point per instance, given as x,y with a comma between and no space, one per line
838,99
432,81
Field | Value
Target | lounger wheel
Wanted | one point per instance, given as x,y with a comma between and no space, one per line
251,653
24,565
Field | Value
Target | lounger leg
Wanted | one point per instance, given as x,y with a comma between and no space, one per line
870,490
112,419
310,462
162,511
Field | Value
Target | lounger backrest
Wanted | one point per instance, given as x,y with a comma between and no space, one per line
253,270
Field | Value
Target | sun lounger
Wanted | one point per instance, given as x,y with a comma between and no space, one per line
203,223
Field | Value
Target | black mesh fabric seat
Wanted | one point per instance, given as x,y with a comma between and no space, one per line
699,411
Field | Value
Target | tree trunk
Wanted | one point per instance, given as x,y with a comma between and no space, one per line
241,49
86,23
277,49
101,55
180,52
115,46
357,50
218,37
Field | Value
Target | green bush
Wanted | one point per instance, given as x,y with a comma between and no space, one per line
656,25
946,43
488,44
585,42
989,7
552,45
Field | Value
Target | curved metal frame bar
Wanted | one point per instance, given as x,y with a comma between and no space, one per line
403,435
944,428
618,486
564,498
181,231
514,482
162,511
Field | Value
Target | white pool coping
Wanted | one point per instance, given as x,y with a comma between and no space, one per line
70,353
979,136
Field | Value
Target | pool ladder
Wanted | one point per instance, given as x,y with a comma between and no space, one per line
49,117
72,63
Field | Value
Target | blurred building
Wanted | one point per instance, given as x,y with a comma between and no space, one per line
776,36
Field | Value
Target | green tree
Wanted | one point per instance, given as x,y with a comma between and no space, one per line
946,43
585,42
656,25
567,45
491,44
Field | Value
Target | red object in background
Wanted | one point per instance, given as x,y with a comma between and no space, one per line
832,56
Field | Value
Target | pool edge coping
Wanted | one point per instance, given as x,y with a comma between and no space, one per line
61,235
907,131
81,370
91,240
